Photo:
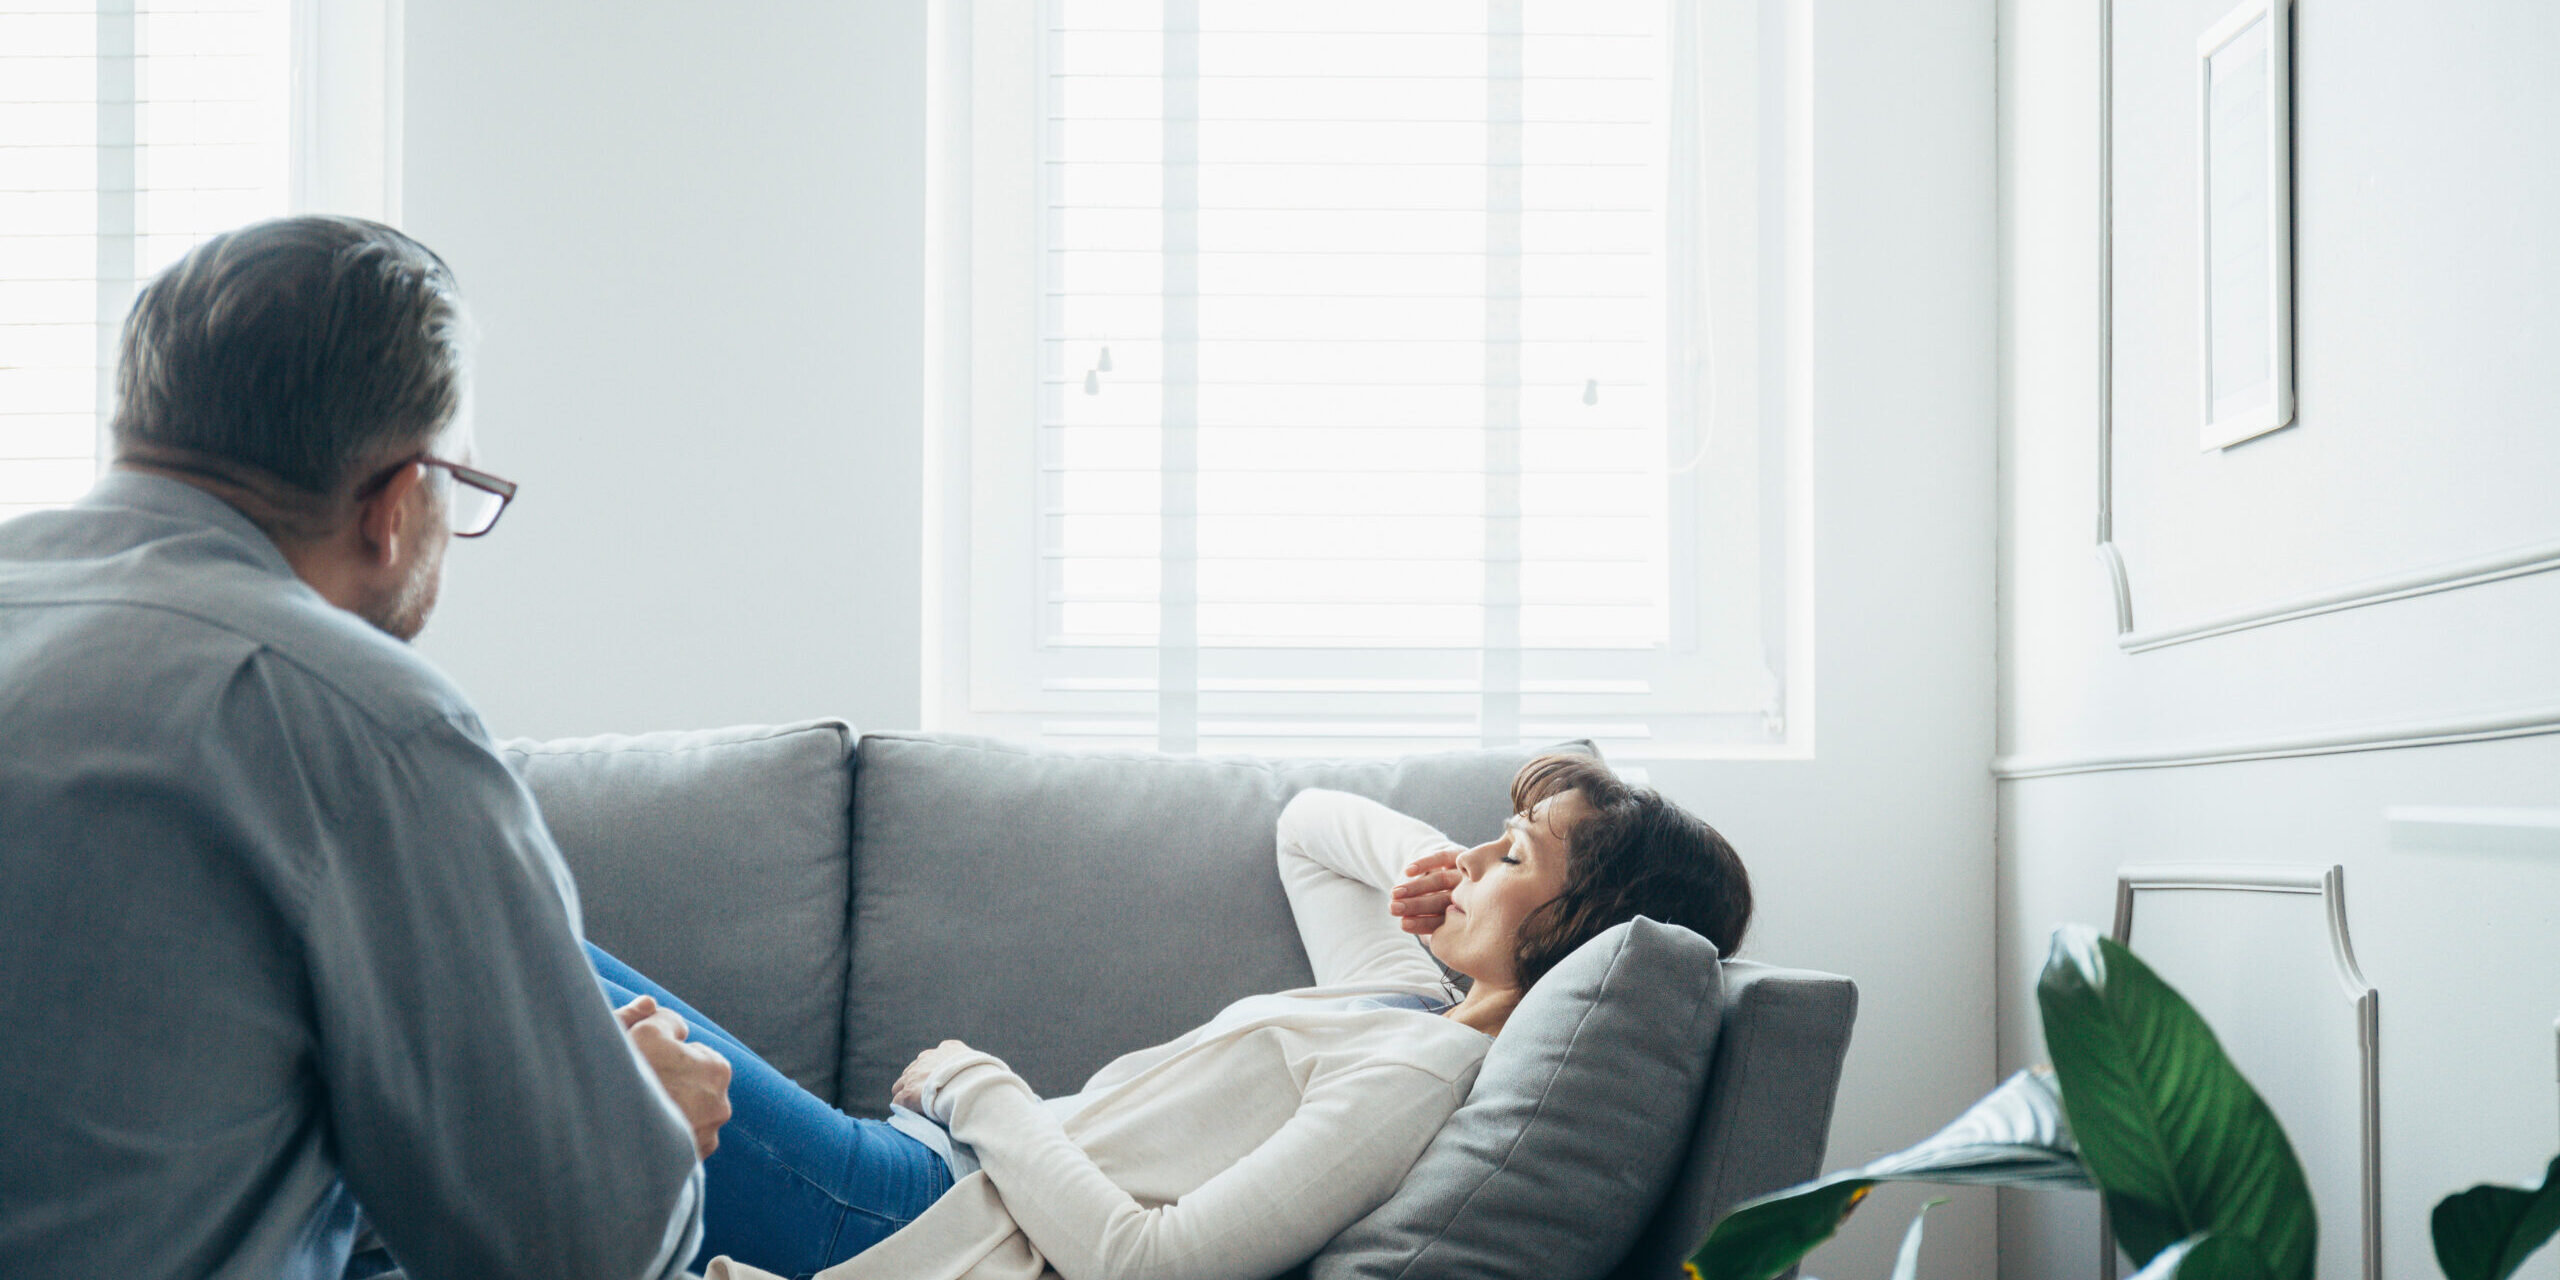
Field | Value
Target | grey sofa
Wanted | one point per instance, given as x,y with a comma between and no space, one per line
841,901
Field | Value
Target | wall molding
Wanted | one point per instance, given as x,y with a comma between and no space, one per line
2329,884
2521,722
2512,562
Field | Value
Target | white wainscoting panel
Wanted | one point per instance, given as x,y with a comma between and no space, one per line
2397,483
2261,950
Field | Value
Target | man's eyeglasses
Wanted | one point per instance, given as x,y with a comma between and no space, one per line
478,497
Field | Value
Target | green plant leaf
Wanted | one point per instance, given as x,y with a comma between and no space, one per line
1761,1240
2487,1232
2179,1143
1906,1264
2222,1257
2015,1136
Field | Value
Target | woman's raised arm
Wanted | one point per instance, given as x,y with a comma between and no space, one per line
1340,855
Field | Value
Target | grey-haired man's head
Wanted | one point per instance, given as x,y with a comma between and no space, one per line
300,369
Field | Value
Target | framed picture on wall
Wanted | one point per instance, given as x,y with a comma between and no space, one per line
2244,224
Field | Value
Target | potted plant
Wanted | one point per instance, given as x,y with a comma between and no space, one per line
2141,1105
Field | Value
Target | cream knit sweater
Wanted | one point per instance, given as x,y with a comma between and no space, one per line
1234,1152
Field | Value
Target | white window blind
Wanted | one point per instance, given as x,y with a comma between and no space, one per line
132,130
1366,398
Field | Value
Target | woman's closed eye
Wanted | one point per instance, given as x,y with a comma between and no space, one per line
1516,837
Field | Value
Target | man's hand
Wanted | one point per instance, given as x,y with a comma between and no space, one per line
1422,902
908,1092
695,1077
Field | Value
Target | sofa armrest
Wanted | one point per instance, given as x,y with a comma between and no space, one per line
1766,1117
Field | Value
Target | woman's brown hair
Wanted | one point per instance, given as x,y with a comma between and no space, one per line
1633,853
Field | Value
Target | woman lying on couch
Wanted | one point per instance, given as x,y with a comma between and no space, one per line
1236,1151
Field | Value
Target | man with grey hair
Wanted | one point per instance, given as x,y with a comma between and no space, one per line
285,950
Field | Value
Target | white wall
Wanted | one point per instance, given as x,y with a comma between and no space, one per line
693,239
696,244
1874,859
2426,184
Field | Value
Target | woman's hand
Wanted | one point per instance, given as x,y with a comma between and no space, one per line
908,1092
1422,901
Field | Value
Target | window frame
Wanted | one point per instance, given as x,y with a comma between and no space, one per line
340,134
987,668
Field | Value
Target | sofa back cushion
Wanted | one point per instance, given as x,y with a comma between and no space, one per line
1058,909
1575,1127
714,862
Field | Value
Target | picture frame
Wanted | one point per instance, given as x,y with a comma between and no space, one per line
2244,224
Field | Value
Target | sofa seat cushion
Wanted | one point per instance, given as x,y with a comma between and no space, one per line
1575,1129
1059,909
714,862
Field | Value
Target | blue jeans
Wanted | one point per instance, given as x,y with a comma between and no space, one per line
796,1186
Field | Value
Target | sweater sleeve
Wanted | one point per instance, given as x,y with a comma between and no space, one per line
1339,855
1339,1155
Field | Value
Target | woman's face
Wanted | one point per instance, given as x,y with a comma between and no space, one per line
1506,878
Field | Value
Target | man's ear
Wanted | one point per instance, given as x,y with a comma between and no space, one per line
385,519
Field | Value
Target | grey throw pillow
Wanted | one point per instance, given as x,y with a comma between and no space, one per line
1574,1130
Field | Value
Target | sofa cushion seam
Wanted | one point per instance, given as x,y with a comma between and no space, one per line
686,749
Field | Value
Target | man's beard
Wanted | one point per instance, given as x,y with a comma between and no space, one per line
404,613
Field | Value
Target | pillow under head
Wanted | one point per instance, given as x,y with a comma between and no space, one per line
1574,1130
